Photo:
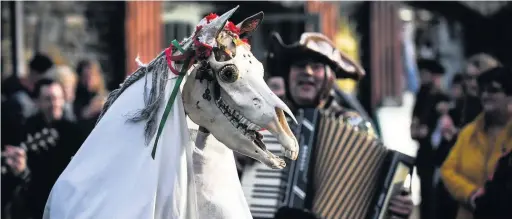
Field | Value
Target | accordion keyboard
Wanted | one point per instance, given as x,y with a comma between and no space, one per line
262,185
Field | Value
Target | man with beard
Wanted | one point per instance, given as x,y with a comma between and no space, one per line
309,68
51,140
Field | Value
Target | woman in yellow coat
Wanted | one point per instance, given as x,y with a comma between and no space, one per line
481,143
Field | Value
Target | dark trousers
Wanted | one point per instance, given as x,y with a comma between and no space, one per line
446,206
426,166
426,174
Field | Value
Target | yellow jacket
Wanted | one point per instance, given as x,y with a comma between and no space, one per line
471,161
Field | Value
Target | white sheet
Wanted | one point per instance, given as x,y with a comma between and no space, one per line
219,192
113,176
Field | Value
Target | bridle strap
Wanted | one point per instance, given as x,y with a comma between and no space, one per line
170,58
189,60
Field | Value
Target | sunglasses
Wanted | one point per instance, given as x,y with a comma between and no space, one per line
304,63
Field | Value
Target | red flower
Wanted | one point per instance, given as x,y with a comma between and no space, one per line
210,17
232,27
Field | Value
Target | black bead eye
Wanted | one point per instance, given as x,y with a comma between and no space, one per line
228,74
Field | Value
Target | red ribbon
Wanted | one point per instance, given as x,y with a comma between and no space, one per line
170,59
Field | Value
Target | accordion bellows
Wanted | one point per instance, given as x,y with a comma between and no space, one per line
347,166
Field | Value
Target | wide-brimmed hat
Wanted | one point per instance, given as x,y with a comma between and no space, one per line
318,46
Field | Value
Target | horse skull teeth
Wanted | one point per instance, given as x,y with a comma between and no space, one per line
245,126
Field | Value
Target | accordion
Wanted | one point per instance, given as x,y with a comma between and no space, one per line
342,172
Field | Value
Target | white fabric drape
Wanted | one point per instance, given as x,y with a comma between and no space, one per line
219,192
113,175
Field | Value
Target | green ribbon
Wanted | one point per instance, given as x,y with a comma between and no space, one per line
177,45
170,102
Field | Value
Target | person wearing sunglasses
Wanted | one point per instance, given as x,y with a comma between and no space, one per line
470,105
481,143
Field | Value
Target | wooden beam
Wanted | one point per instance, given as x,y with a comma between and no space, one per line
385,69
328,12
143,32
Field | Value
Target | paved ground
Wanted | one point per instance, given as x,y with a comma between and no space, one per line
395,122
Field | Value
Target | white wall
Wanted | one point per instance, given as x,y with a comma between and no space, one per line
186,12
394,124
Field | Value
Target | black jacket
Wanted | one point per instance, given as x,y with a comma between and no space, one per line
14,204
496,203
50,147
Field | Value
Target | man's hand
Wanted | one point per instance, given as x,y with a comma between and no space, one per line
479,192
401,206
15,158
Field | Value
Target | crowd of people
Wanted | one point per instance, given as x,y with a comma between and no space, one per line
46,116
465,138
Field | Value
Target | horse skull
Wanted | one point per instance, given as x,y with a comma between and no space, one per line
240,101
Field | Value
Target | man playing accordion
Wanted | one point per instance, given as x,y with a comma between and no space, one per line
303,75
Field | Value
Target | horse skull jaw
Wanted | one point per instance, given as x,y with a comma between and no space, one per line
278,127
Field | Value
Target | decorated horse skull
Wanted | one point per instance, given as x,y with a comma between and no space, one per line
115,174
227,95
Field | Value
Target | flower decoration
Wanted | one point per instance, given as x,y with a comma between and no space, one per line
232,28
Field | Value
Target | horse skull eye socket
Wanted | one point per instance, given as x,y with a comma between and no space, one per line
228,74
221,55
